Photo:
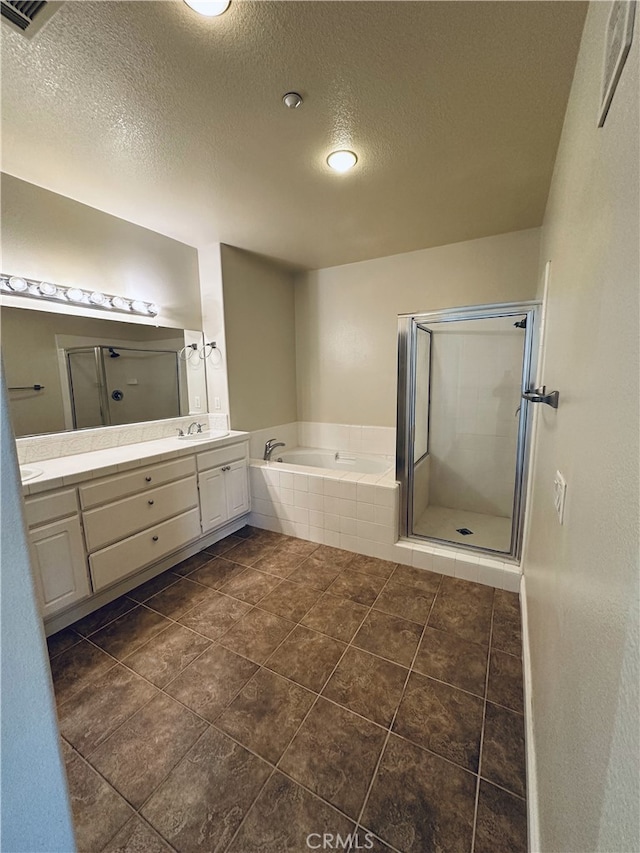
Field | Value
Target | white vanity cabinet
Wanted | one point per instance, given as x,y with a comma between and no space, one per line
223,482
134,519
97,539
58,555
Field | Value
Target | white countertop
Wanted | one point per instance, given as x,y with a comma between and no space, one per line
69,470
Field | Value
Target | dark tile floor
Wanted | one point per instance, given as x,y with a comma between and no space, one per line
268,689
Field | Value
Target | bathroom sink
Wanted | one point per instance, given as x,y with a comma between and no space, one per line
28,473
204,436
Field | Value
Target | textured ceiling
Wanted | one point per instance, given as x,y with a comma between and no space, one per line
173,121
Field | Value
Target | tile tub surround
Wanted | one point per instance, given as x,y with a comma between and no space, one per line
358,512
351,438
324,506
229,727
36,448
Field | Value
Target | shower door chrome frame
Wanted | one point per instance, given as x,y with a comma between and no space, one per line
407,332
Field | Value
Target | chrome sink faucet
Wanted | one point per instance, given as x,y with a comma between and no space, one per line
270,446
194,424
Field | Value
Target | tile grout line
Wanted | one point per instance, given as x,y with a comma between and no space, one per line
216,642
208,724
484,717
393,719
502,788
304,719
135,603
297,623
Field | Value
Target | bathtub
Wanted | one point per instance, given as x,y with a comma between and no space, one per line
348,502
357,463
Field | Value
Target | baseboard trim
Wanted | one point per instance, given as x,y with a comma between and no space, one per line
533,814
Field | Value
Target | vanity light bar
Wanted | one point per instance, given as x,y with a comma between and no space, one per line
19,286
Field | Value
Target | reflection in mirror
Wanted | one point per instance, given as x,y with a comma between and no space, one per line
77,372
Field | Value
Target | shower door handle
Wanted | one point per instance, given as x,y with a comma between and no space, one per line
541,395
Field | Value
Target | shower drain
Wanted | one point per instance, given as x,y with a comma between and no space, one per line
465,531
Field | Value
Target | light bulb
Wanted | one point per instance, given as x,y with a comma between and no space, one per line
47,289
75,295
342,161
139,307
120,303
154,310
97,298
18,284
208,9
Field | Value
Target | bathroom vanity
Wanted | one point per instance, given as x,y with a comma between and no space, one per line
101,523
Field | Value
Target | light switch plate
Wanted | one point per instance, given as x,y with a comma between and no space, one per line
559,495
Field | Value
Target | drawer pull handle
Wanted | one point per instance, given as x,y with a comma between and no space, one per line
155,538
148,479
226,468
151,503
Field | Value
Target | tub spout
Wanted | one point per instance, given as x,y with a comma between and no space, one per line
270,446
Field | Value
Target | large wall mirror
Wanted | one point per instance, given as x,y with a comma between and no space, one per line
67,373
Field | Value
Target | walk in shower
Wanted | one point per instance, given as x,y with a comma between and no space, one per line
462,424
112,385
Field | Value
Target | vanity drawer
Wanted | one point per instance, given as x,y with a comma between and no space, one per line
118,520
139,480
49,507
215,458
124,558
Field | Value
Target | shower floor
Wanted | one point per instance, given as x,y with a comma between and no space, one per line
489,531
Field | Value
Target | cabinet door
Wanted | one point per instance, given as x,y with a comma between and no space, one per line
237,482
213,499
60,564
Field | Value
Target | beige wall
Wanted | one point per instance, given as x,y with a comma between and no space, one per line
260,339
49,237
582,577
346,318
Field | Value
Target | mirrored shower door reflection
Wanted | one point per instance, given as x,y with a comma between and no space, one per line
462,425
121,385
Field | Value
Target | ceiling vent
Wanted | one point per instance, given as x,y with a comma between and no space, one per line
27,16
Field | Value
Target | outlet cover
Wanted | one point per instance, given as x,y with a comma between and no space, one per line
559,495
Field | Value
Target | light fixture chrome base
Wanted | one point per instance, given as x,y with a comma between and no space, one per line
45,290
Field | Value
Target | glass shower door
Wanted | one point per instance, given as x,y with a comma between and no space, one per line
85,387
111,385
462,425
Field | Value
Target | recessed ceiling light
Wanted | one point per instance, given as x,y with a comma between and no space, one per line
209,9
342,161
